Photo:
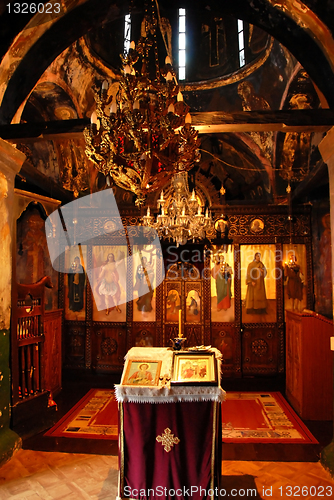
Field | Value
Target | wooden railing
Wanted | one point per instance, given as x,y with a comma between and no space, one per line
28,341
30,349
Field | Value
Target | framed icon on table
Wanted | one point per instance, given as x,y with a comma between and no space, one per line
195,368
141,372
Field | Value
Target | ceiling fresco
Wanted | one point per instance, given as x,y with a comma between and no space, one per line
248,164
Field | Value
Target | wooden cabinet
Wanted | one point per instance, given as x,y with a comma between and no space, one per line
53,351
309,365
36,356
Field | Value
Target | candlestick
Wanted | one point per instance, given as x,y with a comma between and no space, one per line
180,313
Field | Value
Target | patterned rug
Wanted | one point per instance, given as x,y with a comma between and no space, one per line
246,417
261,418
95,416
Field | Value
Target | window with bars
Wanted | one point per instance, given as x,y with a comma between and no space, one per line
241,43
182,44
127,33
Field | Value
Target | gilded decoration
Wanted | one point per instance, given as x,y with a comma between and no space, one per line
248,226
257,226
109,226
167,440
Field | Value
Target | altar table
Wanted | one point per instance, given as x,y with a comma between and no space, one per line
169,436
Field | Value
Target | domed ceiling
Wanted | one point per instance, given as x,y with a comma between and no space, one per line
242,159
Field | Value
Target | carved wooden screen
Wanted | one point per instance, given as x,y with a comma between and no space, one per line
28,340
183,291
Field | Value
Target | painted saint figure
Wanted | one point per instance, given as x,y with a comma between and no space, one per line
144,285
256,299
193,306
142,376
108,284
222,273
76,286
293,275
193,370
188,370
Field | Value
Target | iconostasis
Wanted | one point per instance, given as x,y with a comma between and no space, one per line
232,296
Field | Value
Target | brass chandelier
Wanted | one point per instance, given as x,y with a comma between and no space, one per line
141,134
181,218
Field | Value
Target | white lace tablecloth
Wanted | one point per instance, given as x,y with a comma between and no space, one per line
166,393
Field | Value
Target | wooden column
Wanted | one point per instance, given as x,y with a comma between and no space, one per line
326,148
11,161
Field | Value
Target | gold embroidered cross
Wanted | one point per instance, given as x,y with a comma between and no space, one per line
167,439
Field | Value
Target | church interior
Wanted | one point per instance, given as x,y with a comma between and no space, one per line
166,172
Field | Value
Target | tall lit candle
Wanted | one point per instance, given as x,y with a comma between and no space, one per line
180,312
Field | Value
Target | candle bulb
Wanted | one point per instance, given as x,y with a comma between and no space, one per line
93,118
148,212
104,89
113,108
188,118
170,108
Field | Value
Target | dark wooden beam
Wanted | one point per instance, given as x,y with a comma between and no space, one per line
306,120
33,132
36,178
301,120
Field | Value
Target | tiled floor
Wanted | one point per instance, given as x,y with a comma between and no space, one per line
35,475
